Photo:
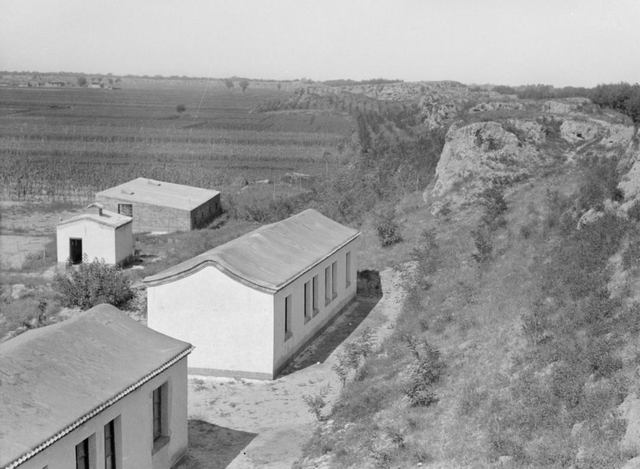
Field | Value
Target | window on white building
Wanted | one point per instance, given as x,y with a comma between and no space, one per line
110,445
160,403
334,280
85,453
327,285
287,317
307,301
347,271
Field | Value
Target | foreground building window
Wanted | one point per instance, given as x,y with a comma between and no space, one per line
110,445
82,455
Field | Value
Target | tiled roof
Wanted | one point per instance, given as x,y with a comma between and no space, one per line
54,377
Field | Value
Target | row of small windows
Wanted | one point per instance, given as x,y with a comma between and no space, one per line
84,456
310,295
85,450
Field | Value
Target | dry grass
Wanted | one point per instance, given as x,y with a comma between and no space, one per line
473,314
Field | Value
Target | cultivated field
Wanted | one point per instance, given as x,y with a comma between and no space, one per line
68,143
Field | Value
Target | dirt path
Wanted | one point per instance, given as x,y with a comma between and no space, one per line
249,424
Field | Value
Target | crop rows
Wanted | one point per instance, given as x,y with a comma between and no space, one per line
71,144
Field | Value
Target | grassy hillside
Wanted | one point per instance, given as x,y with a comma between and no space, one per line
521,356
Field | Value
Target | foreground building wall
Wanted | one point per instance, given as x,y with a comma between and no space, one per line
97,388
133,430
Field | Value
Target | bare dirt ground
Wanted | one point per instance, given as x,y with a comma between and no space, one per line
25,229
241,423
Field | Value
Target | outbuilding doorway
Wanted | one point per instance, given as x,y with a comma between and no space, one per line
75,250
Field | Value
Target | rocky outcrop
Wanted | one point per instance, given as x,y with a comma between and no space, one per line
497,106
506,150
437,109
479,155
630,165
569,106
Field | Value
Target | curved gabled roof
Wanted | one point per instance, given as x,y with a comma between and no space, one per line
272,256
55,378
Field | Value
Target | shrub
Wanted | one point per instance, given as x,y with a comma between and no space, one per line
318,402
92,283
493,201
425,373
386,226
484,245
351,353
631,255
634,212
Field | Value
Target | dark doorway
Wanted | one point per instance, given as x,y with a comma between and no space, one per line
75,250
369,283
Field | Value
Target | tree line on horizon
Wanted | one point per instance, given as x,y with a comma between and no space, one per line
622,97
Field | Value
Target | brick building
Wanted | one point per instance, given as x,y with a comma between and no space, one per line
162,206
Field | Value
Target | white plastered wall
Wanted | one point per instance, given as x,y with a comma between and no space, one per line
229,323
134,429
97,240
124,243
303,331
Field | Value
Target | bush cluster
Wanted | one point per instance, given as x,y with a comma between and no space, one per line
426,372
92,283
386,226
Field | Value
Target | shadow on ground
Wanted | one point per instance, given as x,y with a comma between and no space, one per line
342,326
212,446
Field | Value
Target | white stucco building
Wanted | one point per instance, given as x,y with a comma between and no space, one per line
251,304
99,390
102,234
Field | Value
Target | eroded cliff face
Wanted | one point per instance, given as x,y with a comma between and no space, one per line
507,147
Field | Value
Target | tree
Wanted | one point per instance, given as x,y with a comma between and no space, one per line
279,85
244,84
82,81
181,108
229,83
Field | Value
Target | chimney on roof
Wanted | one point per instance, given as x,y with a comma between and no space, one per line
97,205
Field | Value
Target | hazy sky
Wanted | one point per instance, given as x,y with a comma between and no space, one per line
559,42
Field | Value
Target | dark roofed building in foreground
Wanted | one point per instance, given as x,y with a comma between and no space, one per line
162,206
97,390
251,304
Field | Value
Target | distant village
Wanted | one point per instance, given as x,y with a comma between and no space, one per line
103,389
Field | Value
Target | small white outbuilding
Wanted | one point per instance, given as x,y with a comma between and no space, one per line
101,234
248,306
